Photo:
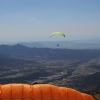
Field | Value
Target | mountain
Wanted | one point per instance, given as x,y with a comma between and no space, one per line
85,44
9,61
48,44
48,53
14,49
90,41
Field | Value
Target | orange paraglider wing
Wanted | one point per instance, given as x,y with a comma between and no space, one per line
40,92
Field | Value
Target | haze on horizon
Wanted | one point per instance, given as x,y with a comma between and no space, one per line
35,20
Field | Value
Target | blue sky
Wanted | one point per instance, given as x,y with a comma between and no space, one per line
35,20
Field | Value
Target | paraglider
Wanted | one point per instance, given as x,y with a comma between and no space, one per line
57,44
60,33
40,92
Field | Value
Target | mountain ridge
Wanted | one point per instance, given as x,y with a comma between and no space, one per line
63,44
48,53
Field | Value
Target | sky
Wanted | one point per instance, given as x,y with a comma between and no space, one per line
35,20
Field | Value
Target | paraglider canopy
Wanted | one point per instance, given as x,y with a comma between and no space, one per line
60,33
40,92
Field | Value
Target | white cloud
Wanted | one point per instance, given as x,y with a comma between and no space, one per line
31,19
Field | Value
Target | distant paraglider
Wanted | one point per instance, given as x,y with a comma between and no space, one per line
59,33
57,44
